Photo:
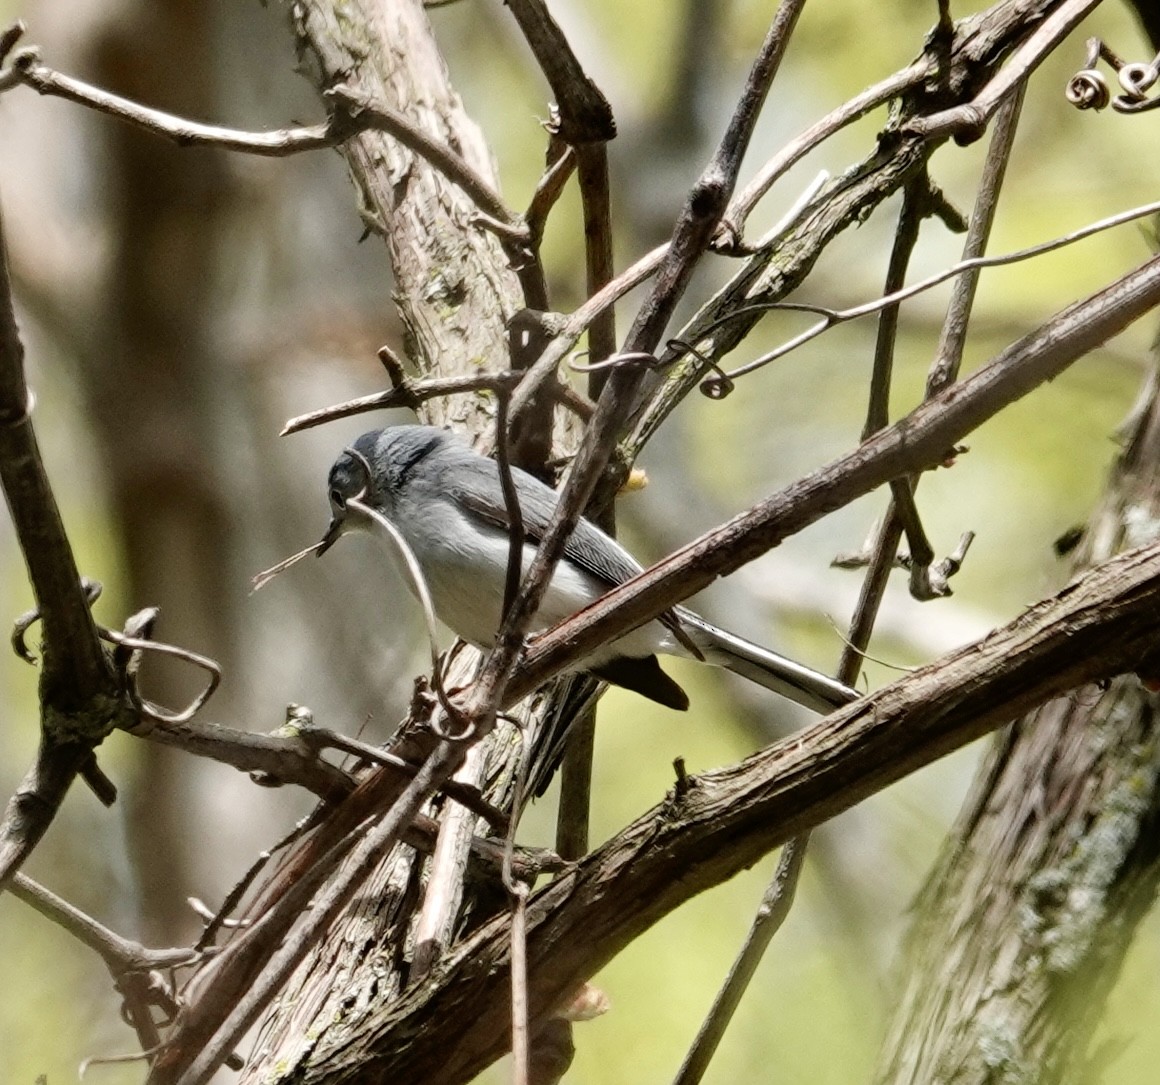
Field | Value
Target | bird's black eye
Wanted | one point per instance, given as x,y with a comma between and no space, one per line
337,498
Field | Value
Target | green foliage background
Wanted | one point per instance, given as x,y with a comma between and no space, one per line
821,997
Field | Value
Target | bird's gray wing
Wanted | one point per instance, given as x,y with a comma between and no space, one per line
588,547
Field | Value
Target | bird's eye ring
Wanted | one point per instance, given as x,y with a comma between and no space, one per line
337,498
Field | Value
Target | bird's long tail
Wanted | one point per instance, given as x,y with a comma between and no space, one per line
807,687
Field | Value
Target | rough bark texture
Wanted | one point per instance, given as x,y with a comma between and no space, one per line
355,1011
1025,922
452,284
455,293
449,1027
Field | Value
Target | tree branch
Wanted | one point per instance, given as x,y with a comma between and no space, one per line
79,694
917,442
1098,626
702,211
585,115
350,113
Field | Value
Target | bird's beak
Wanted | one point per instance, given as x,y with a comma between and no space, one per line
333,531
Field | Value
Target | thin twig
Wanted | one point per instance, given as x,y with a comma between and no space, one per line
467,797
804,199
833,317
12,34
413,392
530,441
573,808
414,574
917,442
918,203
952,339
351,113
728,239
549,189
966,122
921,552
26,68
702,211
870,596
511,498
596,205
877,417
915,208
771,914
368,852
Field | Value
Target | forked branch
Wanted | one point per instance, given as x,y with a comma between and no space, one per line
1096,627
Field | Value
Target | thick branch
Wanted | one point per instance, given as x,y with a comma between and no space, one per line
1098,626
916,442
1026,920
451,283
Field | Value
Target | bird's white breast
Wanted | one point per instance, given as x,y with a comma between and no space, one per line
465,566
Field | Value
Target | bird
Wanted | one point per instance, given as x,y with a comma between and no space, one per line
447,502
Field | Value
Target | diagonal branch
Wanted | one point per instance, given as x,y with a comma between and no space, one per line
702,211
585,115
728,238
79,696
137,971
1098,626
917,442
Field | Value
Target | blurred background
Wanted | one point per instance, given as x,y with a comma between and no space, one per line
179,305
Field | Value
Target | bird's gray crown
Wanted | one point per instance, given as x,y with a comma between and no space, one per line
391,455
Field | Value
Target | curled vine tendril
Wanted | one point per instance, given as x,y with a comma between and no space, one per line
1089,87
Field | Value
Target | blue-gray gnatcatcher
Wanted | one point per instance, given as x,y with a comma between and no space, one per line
447,503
